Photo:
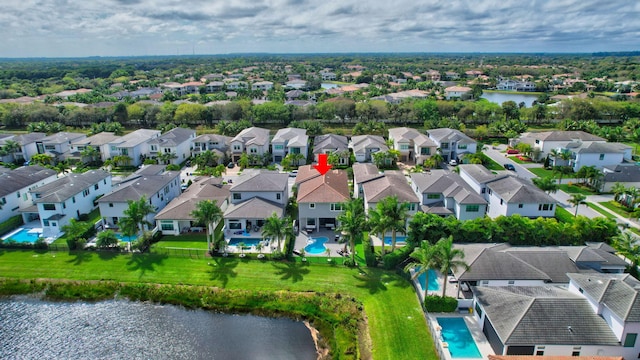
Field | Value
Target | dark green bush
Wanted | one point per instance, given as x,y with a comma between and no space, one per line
434,303
11,224
391,260
369,255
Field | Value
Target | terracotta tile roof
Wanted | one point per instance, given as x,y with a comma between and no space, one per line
333,187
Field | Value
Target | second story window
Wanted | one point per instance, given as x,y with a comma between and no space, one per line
404,146
237,196
444,146
49,207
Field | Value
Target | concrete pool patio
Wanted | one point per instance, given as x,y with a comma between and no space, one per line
302,240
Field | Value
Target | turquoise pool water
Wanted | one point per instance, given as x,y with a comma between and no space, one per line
456,333
246,241
126,238
433,280
399,240
316,245
25,236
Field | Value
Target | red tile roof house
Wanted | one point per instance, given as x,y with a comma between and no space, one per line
320,197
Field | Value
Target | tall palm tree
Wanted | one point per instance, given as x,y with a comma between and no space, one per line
449,259
628,246
138,211
352,220
546,184
378,223
11,147
207,212
274,228
90,152
424,258
396,213
576,200
554,153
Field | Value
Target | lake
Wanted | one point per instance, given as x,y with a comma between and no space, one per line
328,85
34,329
499,98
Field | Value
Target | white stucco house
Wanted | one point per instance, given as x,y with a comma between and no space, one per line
452,143
412,145
135,145
332,144
252,140
177,141
27,144
321,197
58,145
290,141
364,146
15,187
99,141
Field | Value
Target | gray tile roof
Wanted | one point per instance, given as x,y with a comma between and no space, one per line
598,148
135,138
447,183
203,188
97,139
206,138
563,136
448,135
622,173
24,139
254,208
65,187
174,137
253,136
391,184
261,181
140,186
516,190
479,173
619,292
62,137
555,264
497,265
589,254
330,142
413,136
365,172
541,315
291,136
20,178
360,143
436,208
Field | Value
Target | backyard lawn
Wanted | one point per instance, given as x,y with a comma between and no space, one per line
542,172
396,323
575,189
195,241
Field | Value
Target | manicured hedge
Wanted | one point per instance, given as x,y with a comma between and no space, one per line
434,303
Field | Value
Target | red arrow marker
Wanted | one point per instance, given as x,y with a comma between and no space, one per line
322,165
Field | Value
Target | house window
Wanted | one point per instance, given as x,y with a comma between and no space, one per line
473,208
166,189
462,146
49,207
404,146
336,207
253,151
511,282
54,224
601,156
485,282
237,196
484,190
86,192
433,196
73,199
312,205
45,222
489,191
278,196
18,193
537,141
235,225
154,148
539,352
278,147
545,207
444,146
110,204
501,201
520,206
64,206
166,225
4,201
425,151
104,181
236,147
96,187
630,340
478,310
412,207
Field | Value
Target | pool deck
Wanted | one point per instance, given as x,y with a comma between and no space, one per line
375,241
303,238
33,226
474,328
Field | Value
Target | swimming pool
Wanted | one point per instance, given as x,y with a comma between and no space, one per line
316,245
24,235
246,241
399,240
433,280
457,335
125,238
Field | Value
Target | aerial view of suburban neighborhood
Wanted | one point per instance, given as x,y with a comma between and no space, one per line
348,201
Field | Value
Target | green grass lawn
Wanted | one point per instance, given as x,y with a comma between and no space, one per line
516,160
574,189
490,164
542,172
195,241
563,215
604,213
396,323
616,207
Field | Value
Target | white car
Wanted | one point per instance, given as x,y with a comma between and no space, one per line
453,162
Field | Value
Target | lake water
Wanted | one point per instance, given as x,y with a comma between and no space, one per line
499,98
328,85
34,329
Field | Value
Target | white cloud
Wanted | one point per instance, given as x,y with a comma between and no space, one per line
118,27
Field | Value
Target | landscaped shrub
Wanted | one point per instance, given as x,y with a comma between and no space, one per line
393,259
11,224
369,255
434,303
173,167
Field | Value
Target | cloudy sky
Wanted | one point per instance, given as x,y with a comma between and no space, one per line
63,28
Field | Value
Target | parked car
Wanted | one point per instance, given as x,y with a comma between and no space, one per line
510,167
231,165
293,173
453,162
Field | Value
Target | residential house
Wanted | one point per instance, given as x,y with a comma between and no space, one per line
363,172
219,144
262,85
445,193
546,141
597,154
158,186
412,145
214,86
27,144
364,146
452,144
135,145
451,75
431,75
392,183
101,142
457,92
15,186
58,145
626,174
253,141
255,196
332,144
515,85
176,217
177,142
296,84
237,85
508,195
327,75
598,257
399,97
542,320
321,198
293,94
290,141
66,198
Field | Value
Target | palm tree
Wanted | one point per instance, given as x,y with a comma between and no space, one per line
628,246
207,212
11,147
352,221
425,258
576,200
449,259
554,153
618,190
106,239
546,184
396,213
274,228
378,223
138,211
